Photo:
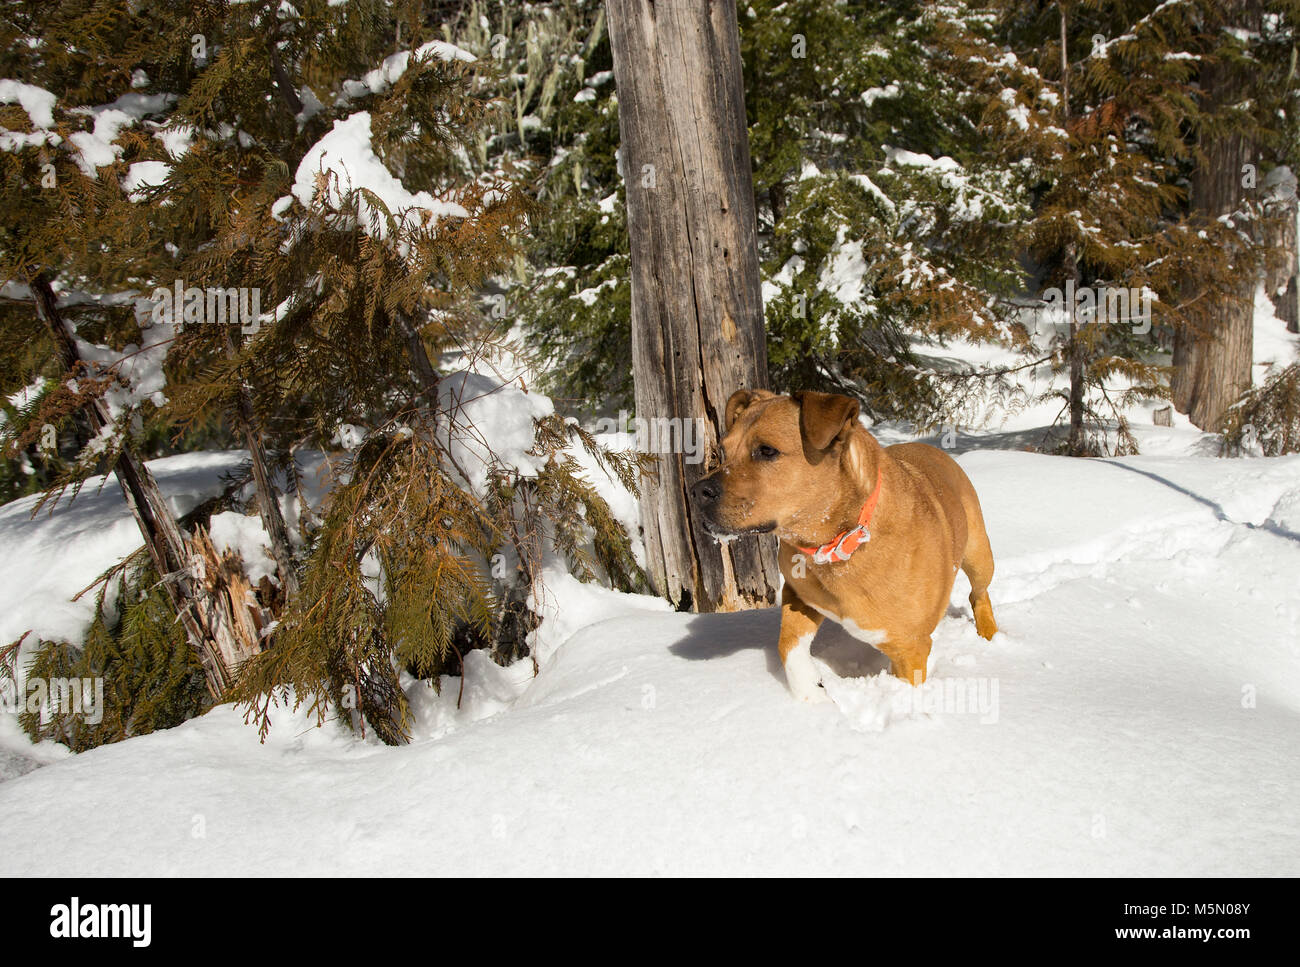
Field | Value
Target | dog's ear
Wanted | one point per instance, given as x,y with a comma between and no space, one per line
824,416
739,402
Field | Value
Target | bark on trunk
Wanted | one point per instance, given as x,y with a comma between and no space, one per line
418,357
1212,359
204,613
697,313
1076,443
268,504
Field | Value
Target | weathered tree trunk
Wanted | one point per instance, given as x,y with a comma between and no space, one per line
1076,444
268,504
202,610
418,357
697,312
1212,359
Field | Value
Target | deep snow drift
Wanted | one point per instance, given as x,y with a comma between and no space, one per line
1137,714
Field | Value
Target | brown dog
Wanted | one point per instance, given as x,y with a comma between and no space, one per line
871,536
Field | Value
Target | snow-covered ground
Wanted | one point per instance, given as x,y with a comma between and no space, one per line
1137,714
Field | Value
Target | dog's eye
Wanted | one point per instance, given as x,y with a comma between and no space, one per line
764,452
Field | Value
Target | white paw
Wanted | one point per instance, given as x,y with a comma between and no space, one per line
812,696
802,675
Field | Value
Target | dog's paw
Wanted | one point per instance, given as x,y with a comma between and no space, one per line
813,696
802,675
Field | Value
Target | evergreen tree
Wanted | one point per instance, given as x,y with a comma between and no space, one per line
862,252
572,300
1115,212
886,154
325,159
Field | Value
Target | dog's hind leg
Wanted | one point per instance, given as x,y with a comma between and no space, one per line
978,565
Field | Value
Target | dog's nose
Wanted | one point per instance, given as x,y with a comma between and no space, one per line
706,491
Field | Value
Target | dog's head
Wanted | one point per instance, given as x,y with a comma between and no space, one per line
790,464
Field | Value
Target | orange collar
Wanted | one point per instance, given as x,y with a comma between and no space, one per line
842,545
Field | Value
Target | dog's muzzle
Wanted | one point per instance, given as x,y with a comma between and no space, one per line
705,493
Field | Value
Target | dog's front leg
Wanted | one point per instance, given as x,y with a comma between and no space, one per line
798,625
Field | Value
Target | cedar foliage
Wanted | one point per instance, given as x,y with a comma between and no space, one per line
151,679
911,234
365,311
574,297
882,150
1113,209
1266,420
410,568
930,143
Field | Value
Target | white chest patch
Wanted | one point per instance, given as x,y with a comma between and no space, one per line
870,636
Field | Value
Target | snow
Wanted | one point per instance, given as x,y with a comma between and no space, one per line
589,295
475,402
177,139
875,191
243,535
36,101
24,396
1274,347
143,175
39,105
1128,719
95,148
140,369
1018,113
915,159
845,270
886,93
49,559
391,70
970,197
348,157
281,207
783,279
